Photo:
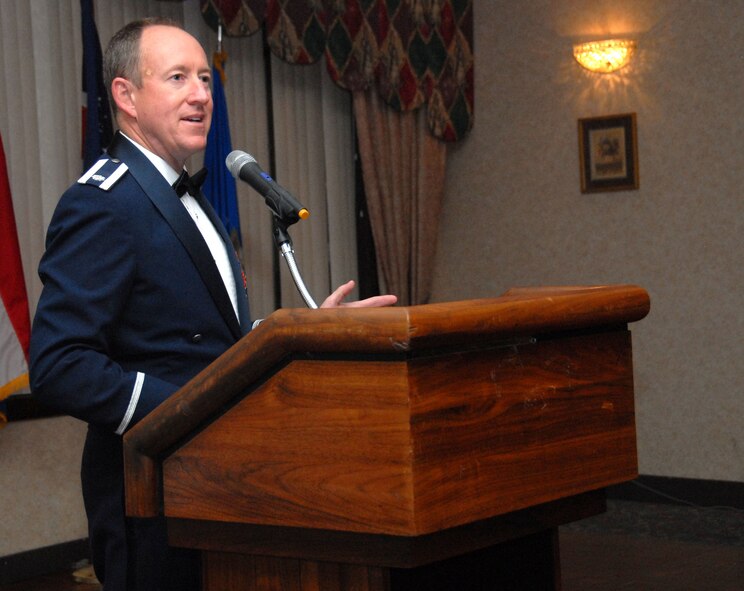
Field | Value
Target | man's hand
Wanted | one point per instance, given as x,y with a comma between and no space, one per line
336,299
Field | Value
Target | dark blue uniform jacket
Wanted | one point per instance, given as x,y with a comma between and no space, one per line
131,294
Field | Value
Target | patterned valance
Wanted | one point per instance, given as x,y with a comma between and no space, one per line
413,51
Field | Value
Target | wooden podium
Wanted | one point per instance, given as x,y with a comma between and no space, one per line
424,447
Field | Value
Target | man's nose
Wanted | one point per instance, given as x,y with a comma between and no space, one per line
200,91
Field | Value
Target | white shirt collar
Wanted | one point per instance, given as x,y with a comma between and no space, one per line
163,167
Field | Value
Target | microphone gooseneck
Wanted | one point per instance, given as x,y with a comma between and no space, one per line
286,209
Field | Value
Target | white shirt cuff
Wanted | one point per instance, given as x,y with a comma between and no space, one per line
136,391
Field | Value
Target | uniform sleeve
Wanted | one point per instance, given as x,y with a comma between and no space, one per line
87,272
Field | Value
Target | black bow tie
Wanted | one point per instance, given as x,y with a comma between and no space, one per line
190,185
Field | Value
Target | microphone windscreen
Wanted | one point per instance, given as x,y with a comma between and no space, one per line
236,160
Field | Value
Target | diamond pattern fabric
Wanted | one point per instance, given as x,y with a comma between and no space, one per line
415,52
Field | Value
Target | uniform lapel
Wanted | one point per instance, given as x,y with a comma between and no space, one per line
166,201
235,264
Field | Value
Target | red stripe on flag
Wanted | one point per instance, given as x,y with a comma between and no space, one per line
12,283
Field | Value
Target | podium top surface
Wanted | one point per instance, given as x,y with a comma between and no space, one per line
518,312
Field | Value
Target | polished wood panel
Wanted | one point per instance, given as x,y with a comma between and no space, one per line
320,444
499,430
399,552
408,448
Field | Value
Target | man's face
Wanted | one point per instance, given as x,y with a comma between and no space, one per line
174,103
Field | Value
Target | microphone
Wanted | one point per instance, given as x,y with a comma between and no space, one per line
279,200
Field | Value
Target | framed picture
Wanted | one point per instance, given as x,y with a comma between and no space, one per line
608,153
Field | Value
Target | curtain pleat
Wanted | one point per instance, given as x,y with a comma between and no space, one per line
403,168
38,143
246,96
340,183
314,161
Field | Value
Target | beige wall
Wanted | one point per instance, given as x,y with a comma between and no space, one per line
40,484
514,214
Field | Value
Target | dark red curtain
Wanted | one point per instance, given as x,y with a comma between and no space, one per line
414,52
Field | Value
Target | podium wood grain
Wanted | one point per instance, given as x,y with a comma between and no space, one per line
408,448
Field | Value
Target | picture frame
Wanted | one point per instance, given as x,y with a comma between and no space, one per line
608,153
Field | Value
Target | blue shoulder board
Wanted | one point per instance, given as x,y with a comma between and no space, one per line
104,174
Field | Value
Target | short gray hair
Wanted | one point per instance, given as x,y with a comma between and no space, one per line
122,56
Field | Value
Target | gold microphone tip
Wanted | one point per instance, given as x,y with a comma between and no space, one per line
304,214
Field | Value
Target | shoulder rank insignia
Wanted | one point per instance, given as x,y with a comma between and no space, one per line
104,174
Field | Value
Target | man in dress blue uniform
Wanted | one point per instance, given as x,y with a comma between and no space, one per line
142,289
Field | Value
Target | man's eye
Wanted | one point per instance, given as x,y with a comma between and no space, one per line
177,76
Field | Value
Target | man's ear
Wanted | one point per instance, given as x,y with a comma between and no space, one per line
122,91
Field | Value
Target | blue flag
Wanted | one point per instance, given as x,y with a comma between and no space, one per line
97,128
219,187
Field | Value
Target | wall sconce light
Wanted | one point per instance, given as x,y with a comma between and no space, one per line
604,56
